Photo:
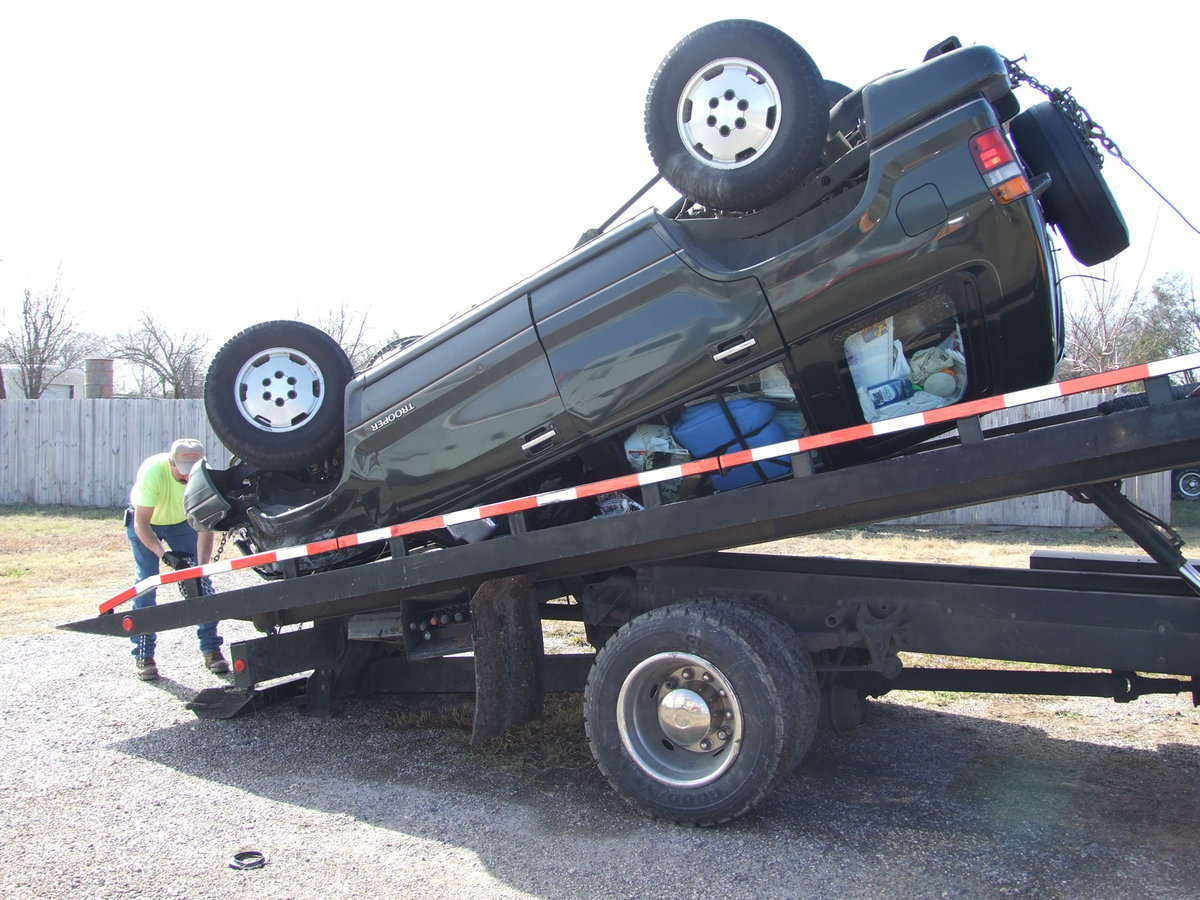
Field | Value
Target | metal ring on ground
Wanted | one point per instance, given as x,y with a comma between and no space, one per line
248,859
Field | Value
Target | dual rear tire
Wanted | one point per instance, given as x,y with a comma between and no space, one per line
694,712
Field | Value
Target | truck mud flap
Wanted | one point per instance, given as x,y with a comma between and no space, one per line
228,703
509,675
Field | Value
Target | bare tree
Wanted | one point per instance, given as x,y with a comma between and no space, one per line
1100,326
1170,320
46,343
349,329
175,360
1107,329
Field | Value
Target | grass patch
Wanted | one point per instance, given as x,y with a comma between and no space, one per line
58,563
549,748
1003,546
1185,517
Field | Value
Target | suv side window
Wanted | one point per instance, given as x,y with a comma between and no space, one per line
910,361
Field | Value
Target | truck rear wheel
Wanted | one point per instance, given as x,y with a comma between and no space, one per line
694,711
736,115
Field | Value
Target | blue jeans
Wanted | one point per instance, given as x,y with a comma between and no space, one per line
181,538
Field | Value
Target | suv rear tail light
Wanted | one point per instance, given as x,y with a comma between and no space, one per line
999,166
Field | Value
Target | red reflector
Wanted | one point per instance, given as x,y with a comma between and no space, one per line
127,623
991,150
239,665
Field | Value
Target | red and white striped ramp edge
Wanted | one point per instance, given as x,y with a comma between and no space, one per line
696,467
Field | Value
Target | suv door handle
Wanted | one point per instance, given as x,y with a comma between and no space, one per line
740,344
539,439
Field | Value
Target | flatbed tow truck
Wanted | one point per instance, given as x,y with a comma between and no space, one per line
713,666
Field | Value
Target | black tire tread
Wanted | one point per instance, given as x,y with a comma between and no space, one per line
1078,201
291,451
691,626
799,143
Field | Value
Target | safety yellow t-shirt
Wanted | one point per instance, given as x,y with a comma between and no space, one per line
154,486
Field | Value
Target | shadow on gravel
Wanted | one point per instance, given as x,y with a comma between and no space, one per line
971,806
181,692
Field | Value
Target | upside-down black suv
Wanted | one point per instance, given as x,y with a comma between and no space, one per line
836,257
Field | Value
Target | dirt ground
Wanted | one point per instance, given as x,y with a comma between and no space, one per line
112,788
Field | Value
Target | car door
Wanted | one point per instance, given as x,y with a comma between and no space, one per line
633,329
459,411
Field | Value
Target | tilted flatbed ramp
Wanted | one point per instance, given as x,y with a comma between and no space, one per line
980,468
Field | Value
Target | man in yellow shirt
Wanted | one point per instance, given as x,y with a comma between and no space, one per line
155,521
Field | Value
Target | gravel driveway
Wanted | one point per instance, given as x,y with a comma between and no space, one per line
111,788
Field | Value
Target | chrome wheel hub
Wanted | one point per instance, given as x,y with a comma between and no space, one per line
729,113
679,719
279,389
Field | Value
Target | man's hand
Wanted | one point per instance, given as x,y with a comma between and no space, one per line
178,560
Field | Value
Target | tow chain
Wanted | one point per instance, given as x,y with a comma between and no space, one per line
1091,131
221,546
1061,97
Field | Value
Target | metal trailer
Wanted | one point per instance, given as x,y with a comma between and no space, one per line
713,666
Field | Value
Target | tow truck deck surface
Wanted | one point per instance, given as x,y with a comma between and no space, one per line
399,624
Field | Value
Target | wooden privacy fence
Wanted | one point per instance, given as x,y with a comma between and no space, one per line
86,453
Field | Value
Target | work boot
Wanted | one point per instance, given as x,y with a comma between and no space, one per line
216,663
146,669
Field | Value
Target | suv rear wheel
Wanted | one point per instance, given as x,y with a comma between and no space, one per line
736,116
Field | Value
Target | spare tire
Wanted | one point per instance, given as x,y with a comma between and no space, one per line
736,116
275,395
1078,200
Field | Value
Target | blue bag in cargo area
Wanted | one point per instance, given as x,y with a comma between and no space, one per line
721,426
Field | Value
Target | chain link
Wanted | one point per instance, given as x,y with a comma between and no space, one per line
1092,132
221,546
1087,127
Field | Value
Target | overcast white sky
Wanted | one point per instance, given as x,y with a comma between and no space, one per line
223,163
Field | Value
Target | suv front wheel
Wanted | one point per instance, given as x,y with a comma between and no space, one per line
275,395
